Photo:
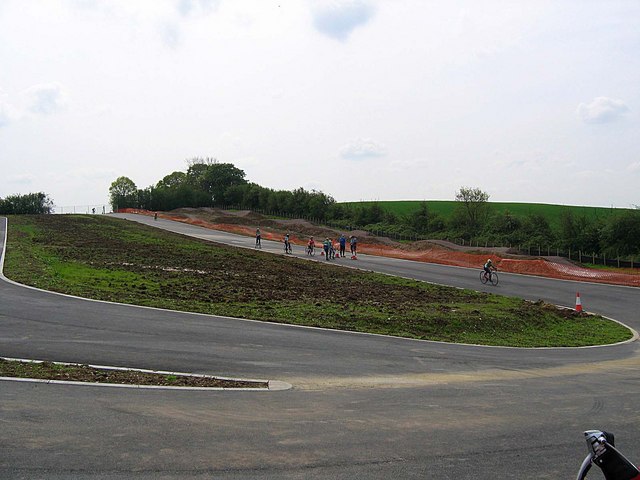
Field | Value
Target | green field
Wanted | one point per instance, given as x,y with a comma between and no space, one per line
111,259
445,208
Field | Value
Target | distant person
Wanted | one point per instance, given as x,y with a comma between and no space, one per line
287,244
93,210
155,216
332,250
353,242
311,245
326,245
258,238
343,244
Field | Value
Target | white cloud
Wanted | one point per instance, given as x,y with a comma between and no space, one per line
170,34
4,114
408,165
338,18
634,167
91,173
21,179
602,110
194,7
41,99
5,109
362,148
45,99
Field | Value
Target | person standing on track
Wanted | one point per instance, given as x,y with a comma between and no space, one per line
353,241
343,243
326,246
258,238
287,244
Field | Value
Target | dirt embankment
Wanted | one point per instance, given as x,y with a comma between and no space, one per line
245,222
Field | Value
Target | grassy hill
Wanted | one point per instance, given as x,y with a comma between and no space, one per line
111,259
445,208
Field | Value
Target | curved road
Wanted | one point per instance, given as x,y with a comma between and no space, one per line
362,406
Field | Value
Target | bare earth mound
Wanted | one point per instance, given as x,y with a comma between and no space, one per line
245,222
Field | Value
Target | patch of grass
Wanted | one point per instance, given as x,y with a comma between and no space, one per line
111,259
86,373
608,268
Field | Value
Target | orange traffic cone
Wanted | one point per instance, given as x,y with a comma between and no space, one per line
578,303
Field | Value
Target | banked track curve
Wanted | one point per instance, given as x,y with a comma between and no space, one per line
362,406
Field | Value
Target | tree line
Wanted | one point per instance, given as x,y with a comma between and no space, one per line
208,183
30,203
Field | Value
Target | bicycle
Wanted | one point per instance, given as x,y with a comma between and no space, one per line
310,250
287,247
491,277
603,453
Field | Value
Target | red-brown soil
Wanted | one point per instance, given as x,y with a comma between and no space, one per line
246,222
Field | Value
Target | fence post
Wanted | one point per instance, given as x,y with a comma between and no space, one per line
580,256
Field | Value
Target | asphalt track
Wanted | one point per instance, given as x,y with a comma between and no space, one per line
362,406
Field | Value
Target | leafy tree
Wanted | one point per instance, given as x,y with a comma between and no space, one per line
590,236
622,234
320,204
419,219
234,194
196,173
474,207
505,223
214,178
27,204
251,195
123,193
173,180
221,176
569,230
535,230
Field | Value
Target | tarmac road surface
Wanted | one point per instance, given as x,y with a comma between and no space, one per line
362,406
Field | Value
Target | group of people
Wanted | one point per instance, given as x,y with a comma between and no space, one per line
328,247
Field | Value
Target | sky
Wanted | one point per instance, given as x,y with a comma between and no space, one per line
531,101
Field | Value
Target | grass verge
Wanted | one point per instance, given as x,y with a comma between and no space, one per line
111,259
86,373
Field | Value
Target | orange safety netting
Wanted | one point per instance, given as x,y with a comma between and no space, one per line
539,267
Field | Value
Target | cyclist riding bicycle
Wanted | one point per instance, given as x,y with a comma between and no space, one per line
311,245
488,267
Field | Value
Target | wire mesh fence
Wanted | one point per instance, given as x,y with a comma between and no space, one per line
83,209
